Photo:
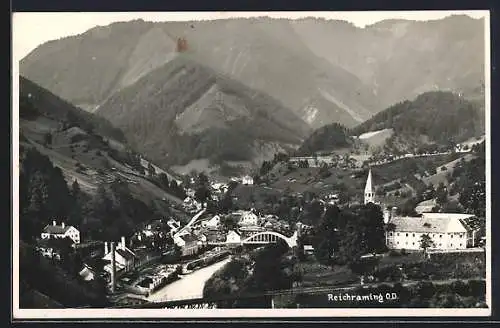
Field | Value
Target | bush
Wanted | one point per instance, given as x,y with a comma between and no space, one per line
443,168
394,253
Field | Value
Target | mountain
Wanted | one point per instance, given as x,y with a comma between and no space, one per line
63,142
325,71
185,111
433,117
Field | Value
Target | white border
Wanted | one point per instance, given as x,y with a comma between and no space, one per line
240,313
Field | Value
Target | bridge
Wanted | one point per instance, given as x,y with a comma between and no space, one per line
261,238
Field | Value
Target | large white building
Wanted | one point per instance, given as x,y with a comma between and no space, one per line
61,231
447,231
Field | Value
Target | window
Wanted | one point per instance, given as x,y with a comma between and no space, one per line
406,235
390,233
451,245
461,235
413,243
440,236
451,235
397,242
413,235
460,245
397,234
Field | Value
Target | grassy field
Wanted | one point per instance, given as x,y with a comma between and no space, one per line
315,274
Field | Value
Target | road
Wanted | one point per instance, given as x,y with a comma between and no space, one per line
193,220
189,286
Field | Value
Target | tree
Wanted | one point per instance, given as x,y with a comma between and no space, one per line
326,235
441,194
47,139
163,179
426,242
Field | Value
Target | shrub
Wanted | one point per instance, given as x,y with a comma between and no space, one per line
394,253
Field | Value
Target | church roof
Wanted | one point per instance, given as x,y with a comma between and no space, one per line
368,186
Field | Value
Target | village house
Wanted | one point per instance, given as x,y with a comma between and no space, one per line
47,248
247,180
246,218
87,273
213,223
61,231
174,226
125,259
233,237
447,231
188,243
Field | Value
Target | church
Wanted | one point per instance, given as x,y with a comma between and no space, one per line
448,231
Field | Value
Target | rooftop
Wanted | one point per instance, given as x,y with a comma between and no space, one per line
56,229
442,223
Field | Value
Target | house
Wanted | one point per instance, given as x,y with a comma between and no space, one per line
48,249
308,249
125,259
188,244
248,218
247,180
213,223
174,225
87,273
61,231
446,230
233,237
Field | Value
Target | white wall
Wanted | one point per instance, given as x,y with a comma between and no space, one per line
411,240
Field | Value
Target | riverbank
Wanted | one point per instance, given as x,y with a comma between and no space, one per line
188,286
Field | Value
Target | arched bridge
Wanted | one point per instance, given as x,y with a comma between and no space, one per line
261,238
267,237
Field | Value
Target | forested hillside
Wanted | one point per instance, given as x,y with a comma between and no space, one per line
184,111
441,116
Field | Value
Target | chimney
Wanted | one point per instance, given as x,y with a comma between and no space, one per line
122,245
113,267
106,249
54,223
62,224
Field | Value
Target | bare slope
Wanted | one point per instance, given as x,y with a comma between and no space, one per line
185,111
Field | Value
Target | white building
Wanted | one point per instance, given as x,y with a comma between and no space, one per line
125,259
61,231
247,180
188,242
214,222
248,218
233,237
447,231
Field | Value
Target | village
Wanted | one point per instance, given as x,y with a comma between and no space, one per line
166,250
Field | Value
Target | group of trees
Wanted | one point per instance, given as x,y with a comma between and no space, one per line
269,268
44,196
329,137
343,235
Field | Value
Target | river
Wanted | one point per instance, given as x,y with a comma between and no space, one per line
188,286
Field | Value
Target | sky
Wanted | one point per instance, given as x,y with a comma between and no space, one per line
33,29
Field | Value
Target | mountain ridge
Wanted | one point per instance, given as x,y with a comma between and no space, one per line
366,69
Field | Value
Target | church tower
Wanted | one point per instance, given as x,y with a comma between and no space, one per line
369,193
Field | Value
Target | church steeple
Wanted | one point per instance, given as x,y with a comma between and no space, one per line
369,194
